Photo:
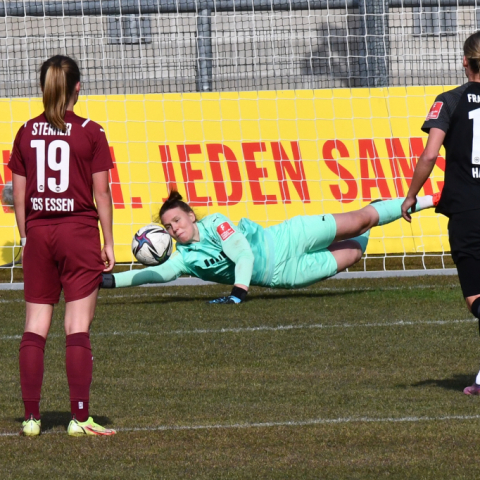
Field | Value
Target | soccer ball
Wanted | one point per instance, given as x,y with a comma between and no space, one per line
152,245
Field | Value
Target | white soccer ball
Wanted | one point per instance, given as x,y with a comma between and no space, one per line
152,245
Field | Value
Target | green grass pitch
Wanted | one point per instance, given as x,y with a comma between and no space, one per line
346,379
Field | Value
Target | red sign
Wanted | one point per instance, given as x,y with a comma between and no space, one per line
434,111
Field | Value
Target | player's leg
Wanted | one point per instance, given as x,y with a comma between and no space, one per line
31,363
309,234
79,313
78,318
81,267
473,304
464,236
355,223
38,317
311,267
348,252
468,274
42,290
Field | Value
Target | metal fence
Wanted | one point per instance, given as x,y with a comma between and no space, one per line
147,46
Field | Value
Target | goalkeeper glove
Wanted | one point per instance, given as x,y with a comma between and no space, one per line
238,295
108,281
229,299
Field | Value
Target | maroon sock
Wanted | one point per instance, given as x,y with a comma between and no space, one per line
79,410
32,349
79,373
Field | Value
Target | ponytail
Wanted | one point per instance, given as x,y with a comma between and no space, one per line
471,50
58,77
55,97
175,200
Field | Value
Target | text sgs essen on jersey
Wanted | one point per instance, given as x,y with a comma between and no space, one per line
53,204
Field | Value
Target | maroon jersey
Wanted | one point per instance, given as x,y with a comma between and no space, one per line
58,167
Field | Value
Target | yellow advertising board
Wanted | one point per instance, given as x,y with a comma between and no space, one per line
267,156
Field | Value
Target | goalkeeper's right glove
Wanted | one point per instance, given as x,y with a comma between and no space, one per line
108,281
238,295
229,299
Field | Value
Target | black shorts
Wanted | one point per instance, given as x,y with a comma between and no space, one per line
464,236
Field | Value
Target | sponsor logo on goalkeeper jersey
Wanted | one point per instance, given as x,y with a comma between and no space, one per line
213,261
225,230
434,112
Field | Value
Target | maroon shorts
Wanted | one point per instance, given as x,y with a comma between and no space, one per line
65,255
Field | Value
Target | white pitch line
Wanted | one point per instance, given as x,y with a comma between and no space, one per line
265,328
301,423
279,328
13,300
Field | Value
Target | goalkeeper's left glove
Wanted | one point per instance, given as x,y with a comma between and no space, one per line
108,281
238,295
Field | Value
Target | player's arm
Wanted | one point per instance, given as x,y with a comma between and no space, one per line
424,168
238,250
103,199
166,272
19,183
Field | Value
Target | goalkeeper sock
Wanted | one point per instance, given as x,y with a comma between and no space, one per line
32,349
362,240
391,210
79,373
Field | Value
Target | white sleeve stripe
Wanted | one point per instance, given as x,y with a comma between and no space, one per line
25,126
85,122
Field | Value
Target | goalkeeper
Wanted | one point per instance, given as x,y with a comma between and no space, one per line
293,254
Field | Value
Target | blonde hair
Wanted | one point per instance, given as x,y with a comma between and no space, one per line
471,50
58,77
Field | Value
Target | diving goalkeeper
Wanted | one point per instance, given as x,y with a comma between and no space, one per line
296,253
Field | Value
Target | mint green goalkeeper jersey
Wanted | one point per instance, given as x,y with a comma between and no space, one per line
226,254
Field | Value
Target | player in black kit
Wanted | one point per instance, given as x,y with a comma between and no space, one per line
454,121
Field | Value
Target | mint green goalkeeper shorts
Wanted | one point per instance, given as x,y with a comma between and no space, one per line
300,251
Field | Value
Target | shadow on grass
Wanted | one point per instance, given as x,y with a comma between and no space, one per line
51,420
457,382
294,295
158,298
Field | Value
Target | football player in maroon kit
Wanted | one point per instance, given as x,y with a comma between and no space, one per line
60,163
454,122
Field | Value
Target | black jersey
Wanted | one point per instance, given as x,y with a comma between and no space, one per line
457,113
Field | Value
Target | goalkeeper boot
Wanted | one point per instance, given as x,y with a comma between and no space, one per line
31,427
472,390
89,427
